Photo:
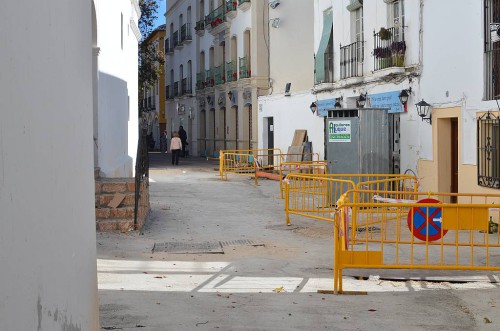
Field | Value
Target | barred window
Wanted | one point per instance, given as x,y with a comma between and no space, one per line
488,150
492,48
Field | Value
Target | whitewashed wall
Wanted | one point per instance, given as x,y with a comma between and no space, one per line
117,81
181,56
48,278
290,114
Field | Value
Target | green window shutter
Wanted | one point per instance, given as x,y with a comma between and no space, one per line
323,44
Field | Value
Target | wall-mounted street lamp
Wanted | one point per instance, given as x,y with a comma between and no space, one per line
424,111
338,103
274,4
230,95
275,22
362,100
404,95
313,107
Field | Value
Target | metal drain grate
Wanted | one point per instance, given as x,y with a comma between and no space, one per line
214,247
240,242
189,248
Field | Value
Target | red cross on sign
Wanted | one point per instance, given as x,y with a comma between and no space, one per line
425,223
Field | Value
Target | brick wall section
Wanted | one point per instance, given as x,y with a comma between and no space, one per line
122,217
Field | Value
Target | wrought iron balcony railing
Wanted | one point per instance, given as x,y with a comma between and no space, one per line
200,81
176,89
245,71
351,60
209,78
231,74
170,93
219,76
200,25
389,48
231,5
187,87
186,32
176,38
216,17
168,46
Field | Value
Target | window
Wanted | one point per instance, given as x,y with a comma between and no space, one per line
323,65
357,25
492,48
396,18
488,150
121,30
329,60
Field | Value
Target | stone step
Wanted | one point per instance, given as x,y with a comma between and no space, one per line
102,200
122,225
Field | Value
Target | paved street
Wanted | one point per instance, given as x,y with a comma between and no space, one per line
217,255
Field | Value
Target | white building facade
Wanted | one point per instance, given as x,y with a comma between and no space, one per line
116,130
214,79
380,51
48,239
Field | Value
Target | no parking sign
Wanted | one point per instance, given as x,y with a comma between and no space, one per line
425,223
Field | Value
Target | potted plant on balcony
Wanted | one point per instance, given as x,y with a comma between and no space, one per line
383,55
384,34
398,49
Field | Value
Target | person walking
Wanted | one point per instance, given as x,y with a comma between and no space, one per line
164,141
183,136
175,148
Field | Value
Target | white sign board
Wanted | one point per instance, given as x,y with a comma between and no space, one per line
339,131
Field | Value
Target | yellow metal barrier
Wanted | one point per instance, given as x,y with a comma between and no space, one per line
239,164
232,156
316,195
268,160
304,167
414,230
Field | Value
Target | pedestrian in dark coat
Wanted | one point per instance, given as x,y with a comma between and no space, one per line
184,137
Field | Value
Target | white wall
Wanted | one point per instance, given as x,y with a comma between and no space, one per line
290,114
117,80
291,46
47,242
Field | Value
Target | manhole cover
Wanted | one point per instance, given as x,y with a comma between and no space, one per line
240,242
215,247
189,248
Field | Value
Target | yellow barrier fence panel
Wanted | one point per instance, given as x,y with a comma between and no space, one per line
416,230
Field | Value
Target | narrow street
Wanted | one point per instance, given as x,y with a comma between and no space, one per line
218,255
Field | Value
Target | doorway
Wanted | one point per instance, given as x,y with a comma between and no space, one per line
454,158
270,139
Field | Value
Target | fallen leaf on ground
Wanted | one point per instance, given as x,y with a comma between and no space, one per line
279,289
487,320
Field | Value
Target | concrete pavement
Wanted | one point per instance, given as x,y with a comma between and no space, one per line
217,255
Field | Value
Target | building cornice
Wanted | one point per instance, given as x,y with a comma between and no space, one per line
135,4
135,30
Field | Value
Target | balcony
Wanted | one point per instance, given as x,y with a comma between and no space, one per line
200,27
389,48
219,76
187,87
245,71
200,81
231,9
186,36
351,60
216,22
176,89
176,39
169,92
231,73
209,78
168,47
244,4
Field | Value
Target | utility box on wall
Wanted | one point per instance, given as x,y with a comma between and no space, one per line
358,141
